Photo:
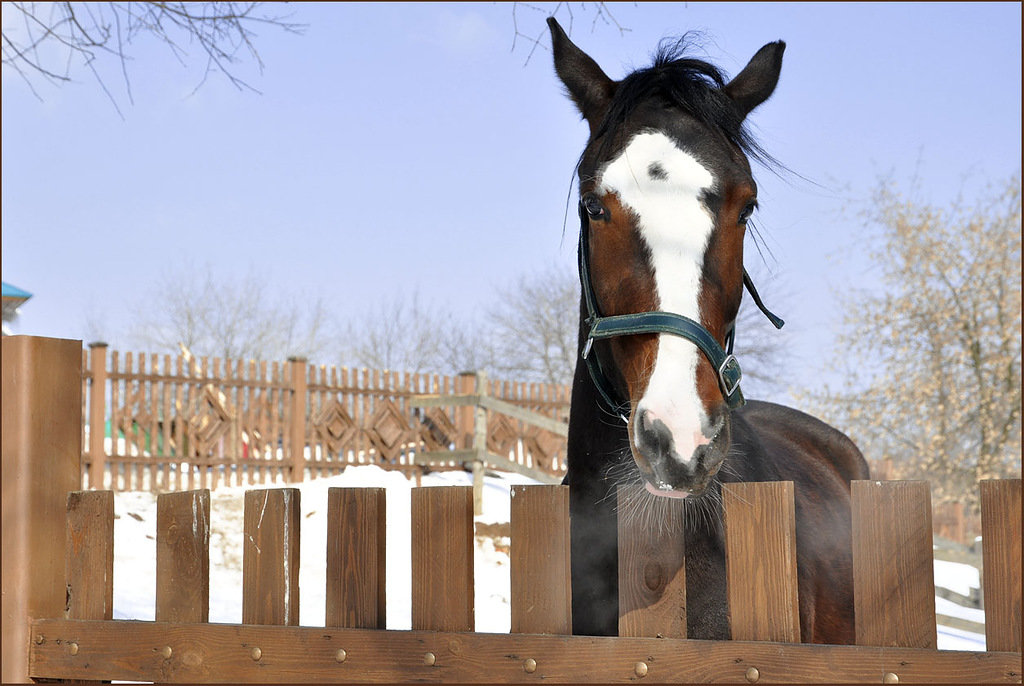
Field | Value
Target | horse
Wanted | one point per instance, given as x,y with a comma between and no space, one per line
665,194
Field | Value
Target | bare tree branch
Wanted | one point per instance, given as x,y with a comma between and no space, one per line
54,39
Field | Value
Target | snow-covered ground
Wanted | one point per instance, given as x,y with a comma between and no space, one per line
135,555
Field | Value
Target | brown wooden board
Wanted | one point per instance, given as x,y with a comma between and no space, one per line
183,556
89,555
356,526
151,651
42,451
1001,547
652,575
270,557
893,574
541,595
442,558
760,537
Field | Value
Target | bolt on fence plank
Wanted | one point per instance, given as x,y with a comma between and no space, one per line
539,566
270,557
442,558
356,546
89,555
893,570
760,545
183,556
42,451
652,573
1001,551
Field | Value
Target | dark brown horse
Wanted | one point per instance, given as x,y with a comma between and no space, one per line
665,194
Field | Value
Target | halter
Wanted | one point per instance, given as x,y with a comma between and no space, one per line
722,360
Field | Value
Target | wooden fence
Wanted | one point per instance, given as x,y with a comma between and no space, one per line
184,422
58,557
177,423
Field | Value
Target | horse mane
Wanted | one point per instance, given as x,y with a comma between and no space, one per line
690,84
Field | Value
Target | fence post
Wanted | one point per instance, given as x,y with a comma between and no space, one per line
465,384
479,445
1001,534
297,418
42,452
97,414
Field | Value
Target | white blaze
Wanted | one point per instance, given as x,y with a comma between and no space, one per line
676,227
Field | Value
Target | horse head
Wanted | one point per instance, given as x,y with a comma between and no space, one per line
666,191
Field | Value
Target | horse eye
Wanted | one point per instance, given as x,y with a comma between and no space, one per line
747,211
593,206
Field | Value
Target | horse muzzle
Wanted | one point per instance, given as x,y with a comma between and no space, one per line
674,466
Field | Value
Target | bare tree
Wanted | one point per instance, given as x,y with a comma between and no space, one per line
49,41
407,334
232,319
934,375
534,324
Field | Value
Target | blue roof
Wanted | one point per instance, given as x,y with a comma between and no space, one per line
10,291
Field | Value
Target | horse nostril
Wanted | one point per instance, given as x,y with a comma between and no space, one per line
652,435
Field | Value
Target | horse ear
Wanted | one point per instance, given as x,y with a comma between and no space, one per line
757,81
588,86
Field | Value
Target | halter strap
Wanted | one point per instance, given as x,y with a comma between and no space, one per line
724,362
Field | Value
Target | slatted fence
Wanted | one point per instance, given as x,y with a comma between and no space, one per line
162,423
58,553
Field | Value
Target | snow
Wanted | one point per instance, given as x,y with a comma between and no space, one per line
135,555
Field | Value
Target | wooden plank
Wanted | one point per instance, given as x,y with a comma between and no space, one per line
183,556
270,557
893,575
501,463
135,651
89,555
42,451
491,403
652,574
442,558
539,567
356,560
1001,548
97,414
760,556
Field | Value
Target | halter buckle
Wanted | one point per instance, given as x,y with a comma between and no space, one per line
587,346
730,368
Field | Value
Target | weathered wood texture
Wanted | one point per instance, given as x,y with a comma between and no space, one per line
183,556
541,594
270,557
89,555
1001,547
356,560
137,651
760,536
42,447
442,558
652,575
893,574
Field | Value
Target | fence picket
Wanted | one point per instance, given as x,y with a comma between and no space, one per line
541,595
183,556
89,555
1001,548
270,557
356,560
442,558
760,538
652,573
893,576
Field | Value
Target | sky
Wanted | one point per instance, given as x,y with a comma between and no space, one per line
413,148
